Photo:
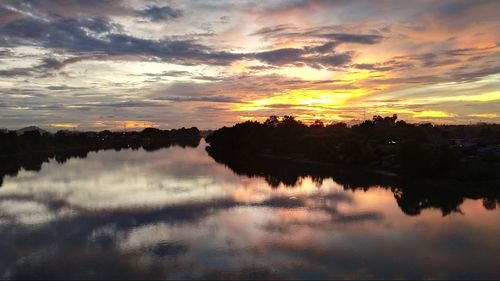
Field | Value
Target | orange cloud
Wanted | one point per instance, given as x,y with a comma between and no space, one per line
124,124
433,114
64,125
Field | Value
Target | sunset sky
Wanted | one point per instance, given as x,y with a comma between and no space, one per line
92,65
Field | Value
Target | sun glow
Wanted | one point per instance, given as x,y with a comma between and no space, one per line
64,125
484,115
433,114
304,98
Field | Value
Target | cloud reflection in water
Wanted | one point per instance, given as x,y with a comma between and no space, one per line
175,213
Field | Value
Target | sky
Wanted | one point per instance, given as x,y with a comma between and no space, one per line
97,64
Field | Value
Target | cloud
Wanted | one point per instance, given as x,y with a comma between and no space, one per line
123,104
314,54
15,72
322,56
97,36
460,11
391,65
64,87
171,73
322,32
6,53
484,115
272,30
48,9
234,89
45,67
7,15
352,38
183,73
281,56
157,13
223,99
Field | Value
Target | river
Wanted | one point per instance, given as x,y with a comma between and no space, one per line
175,213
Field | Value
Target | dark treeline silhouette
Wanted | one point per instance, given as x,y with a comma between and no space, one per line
425,166
465,152
31,149
412,195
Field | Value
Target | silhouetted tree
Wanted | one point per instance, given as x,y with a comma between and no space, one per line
272,121
317,124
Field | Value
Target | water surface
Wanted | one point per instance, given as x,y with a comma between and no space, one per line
176,213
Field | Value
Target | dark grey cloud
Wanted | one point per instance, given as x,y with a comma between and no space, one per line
272,30
15,72
68,34
260,67
52,64
63,88
352,38
281,56
97,36
100,38
467,76
124,104
6,53
324,48
459,7
182,73
317,57
391,65
322,32
334,60
207,78
44,68
171,73
48,9
160,13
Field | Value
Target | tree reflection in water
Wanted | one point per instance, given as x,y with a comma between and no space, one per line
11,165
412,195
175,213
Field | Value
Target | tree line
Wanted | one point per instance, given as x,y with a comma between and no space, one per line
384,143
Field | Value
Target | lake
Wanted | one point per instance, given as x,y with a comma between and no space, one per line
176,213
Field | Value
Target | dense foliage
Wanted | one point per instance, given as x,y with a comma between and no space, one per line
12,143
381,143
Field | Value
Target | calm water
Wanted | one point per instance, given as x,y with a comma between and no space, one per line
176,213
